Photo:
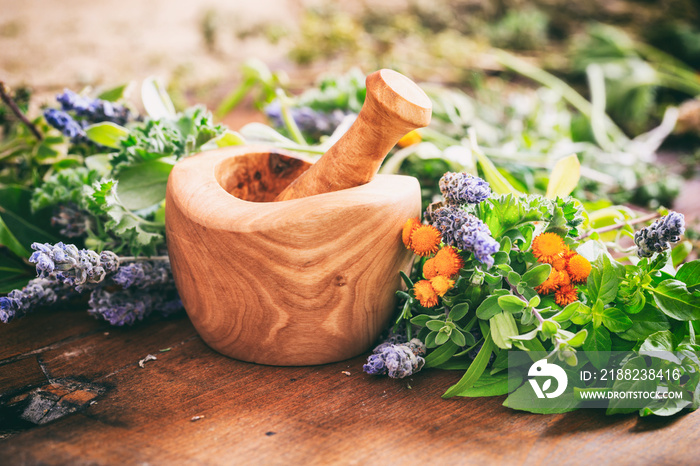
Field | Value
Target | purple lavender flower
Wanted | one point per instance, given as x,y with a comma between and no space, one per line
466,232
656,237
65,124
463,188
93,110
72,221
144,274
38,292
308,120
396,360
71,266
126,307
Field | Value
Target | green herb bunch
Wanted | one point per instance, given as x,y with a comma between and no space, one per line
486,310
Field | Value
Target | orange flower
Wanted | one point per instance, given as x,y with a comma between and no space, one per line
559,263
408,228
568,253
429,269
547,247
425,240
566,294
409,139
448,262
556,279
425,294
578,269
441,284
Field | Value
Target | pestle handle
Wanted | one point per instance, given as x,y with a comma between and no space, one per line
394,106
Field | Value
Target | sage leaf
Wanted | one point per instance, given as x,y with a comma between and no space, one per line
143,185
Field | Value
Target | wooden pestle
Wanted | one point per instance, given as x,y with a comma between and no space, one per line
394,106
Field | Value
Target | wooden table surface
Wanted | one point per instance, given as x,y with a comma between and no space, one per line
91,402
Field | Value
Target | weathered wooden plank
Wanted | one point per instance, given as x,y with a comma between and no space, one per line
45,328
255,414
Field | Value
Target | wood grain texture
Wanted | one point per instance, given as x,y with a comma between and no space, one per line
305,281
394,106
253,414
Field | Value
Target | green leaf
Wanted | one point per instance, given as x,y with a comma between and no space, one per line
113,94
674,300
659,341
564,177
8,240
458,311
488,308
156,100
458,338
598,344
579,338
442,338
603,281
629,385
476,369
650,320
536,275
107,134
421,319
143,185
510,303
435,325
689,273
489,385
616,320
499,184
230,138
680,252
18,219
581,314
503,327
441,354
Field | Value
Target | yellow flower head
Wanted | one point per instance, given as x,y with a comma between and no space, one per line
425,294
566,294
556,279
547,247
441,284
429,269
578,269
425,240
409,139
408,228
448,262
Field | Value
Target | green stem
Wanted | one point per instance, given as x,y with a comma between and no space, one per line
5,96
234,98
288,119
617,226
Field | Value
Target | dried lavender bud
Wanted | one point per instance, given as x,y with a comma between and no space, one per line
656,237
397,361
93,110
309,121
463,188
126,307
66,125
38,292
73,222
145,274
71,266
466,232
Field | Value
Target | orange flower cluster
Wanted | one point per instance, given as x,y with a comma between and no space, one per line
439,271
568,268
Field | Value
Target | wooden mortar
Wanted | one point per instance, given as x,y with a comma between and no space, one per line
310,280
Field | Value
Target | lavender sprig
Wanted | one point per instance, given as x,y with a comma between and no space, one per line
656,237
308,120
466,232
146,274
396,360
93,110
71,266
126,307
463,188
65,123
38,292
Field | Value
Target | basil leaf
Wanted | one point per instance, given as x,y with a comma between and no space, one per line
674,300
